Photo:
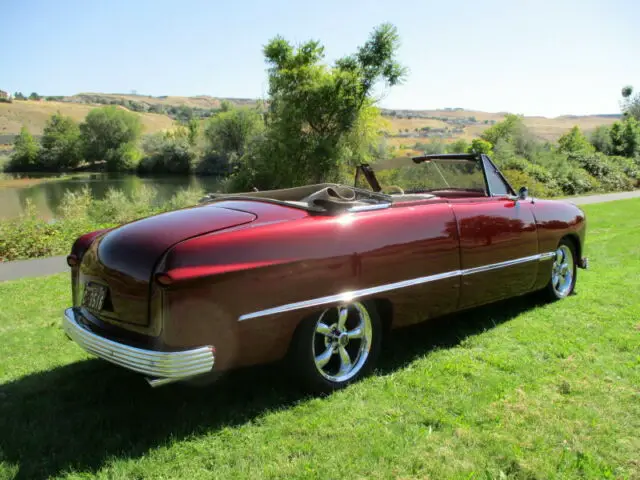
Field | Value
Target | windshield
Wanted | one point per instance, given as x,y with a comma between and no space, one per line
428,176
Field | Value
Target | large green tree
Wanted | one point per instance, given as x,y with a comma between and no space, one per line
61,143
110,134
229,132
26,152
315,110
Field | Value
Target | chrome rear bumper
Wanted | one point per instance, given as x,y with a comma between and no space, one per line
163,367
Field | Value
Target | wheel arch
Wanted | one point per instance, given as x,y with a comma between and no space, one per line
575,241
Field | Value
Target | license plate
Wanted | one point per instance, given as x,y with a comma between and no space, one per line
94,295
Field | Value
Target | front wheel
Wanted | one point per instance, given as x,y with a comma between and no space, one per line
337,347
563,271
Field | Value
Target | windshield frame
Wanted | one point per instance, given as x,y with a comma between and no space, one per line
367,171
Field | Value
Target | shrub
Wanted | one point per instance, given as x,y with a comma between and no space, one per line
168,155
577,181
125,157
601,140
29,236
185,198
26,153
479,145
117,208
459,146
518,178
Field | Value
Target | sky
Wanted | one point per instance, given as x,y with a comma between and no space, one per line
544,57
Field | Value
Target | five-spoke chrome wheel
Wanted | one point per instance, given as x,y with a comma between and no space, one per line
342,341
563,271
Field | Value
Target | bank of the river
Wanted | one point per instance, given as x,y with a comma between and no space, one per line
18,181
46,191
32,236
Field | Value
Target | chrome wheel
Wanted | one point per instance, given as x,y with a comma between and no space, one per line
563,271
342,341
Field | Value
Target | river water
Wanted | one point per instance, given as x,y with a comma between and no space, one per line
47,196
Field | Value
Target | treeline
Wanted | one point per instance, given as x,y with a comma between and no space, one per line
317,122
111,139
608,160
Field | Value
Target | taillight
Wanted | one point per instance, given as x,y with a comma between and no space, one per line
72,260
164,279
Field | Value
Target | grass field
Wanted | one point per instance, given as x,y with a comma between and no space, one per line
544,128
34,115
519,390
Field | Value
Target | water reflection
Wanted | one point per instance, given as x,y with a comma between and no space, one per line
47,196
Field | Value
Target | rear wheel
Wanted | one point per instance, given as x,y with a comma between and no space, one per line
337,347
563,272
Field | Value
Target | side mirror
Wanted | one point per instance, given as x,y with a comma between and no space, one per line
523,193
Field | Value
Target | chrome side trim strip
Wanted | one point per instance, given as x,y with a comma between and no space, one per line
367,208
494,266
547,256
349,296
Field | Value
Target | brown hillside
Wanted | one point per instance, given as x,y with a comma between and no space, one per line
447,124
34,114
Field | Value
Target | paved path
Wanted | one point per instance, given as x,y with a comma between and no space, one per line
607,197
48,266
33,268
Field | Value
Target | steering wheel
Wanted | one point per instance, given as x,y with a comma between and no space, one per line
399,190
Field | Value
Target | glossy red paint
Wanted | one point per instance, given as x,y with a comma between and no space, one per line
235,257
494,230
312,257
134,248
555,220
82,243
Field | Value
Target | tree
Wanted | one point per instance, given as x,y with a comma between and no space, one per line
26,151
459,146
630,103
19,96
61,143
110,133
193,128
625,137
231,131
574,142
34,96
314,109
509,128
479,145
601,139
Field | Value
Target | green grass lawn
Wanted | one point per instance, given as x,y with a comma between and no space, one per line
519,389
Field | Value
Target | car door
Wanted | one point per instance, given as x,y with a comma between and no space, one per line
498,243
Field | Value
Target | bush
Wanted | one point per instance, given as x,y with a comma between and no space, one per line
578,181
518,179
117,208
29,236
26,153
168,155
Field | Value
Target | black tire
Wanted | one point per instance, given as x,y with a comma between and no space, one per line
308,344
559,285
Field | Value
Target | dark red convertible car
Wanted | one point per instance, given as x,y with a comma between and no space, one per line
317,273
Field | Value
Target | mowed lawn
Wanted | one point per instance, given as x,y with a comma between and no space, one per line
520,389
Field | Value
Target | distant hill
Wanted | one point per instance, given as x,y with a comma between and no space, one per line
410,126
406,127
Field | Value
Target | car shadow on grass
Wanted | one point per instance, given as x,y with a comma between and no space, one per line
78,416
